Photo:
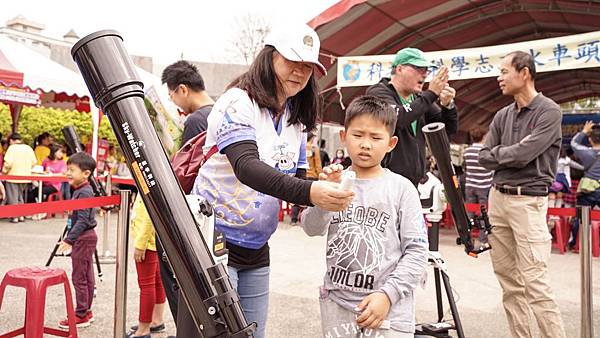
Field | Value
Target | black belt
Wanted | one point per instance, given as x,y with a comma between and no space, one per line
518,190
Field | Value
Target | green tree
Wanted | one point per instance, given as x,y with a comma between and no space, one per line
36,120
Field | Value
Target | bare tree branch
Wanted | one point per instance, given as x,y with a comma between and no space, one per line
249,38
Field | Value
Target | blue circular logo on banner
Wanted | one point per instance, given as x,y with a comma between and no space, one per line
351,71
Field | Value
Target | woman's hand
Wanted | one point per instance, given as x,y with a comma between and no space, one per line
332,173
329,196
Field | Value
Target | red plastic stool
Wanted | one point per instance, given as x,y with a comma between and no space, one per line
287,209
55,196
35,281
595,240
561,231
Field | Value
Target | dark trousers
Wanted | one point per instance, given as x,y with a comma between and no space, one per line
181,314
82,260
591,200
46,191
168,280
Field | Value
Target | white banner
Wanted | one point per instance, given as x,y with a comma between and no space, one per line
16,95
566,52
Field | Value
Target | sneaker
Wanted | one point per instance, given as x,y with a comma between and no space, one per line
153,329
15,220
90,316
130,335
22,219
79,322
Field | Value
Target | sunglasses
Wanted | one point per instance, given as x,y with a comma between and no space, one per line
420,70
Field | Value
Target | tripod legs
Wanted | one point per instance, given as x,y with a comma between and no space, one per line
438,294
453,308
440,328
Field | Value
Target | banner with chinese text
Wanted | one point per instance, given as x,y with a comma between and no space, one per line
566,52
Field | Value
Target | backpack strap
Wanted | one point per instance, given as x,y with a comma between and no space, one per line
211,152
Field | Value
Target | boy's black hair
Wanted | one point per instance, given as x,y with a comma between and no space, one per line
372,106
83,161
185,73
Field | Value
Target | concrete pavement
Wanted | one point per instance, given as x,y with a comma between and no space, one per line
297,268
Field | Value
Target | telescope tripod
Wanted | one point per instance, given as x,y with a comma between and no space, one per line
54,254
440,328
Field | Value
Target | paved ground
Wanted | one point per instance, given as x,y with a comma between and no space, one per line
297,269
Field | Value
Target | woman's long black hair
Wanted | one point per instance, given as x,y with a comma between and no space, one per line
261,84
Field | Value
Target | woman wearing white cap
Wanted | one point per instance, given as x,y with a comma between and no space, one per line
259,126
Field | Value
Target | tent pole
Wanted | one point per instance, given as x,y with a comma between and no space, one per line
15,112
96,118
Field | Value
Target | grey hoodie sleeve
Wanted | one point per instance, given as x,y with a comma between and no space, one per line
315,221
414,245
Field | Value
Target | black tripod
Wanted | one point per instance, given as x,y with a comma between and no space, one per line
54,254
440,328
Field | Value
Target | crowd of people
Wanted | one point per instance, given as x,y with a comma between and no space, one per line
262,127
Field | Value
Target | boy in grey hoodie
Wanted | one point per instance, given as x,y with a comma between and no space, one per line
377,248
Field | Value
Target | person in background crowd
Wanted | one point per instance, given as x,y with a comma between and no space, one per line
18,160
522,148
111,160
41,146
588,157
341,158
313,157
562,182
2,191
53,164
325,160
187,91
416,108
3,148
478,179
152,293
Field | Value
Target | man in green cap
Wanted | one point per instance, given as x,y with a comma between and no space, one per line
415,108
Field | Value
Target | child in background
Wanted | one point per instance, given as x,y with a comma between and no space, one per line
562,182
377,248
152,293
54,164
81,239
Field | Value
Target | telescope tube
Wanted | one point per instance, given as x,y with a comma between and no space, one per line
437,140
117,90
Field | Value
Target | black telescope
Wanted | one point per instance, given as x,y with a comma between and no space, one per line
437,140
117,90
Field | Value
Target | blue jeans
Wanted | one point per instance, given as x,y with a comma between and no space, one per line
253,287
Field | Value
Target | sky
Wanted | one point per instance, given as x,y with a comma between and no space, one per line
165,30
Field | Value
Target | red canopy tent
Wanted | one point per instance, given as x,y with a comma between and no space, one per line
375,27
29,78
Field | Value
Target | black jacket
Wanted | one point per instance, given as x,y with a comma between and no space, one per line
408,158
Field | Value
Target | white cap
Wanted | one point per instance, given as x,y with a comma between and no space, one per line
296,42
